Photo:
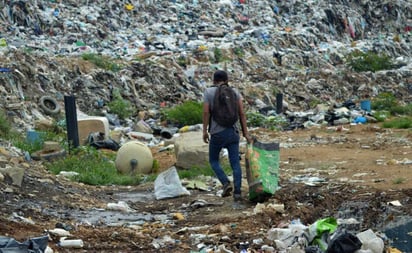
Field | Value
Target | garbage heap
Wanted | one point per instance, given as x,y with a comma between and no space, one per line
159,52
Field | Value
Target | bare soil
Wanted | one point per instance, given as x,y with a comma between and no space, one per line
362,168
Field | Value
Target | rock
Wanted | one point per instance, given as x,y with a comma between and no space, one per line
191,151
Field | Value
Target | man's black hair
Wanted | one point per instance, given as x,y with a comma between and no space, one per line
220,75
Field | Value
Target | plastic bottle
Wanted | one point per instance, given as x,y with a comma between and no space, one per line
77,243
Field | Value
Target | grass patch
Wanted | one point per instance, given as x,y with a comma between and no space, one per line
218,55
398,123
386,105
24,144
121,107
269,122
102,62
188,113
368,61
381,116
384,101
98,168
239,52
204,171
399,180
94,168
5,125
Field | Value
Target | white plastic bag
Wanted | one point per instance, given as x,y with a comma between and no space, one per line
168,185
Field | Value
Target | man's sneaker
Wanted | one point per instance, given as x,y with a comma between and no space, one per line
237,197
237,202
227,189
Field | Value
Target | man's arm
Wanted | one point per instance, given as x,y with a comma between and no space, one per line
206,118
243,122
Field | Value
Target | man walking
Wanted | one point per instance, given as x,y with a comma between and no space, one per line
223,134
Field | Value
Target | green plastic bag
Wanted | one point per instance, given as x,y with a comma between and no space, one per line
262,169
320,231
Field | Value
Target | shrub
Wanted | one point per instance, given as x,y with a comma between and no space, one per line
5,125
368,61
218,55
381,116
399,123
188,113
384,101
270,122
387,102
102,62
239,52
121,107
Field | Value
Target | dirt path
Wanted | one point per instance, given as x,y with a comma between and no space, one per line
360,170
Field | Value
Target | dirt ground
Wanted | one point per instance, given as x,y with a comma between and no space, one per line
361,169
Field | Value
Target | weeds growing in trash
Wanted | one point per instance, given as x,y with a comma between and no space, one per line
369,61
31,146
218,55
94,167
384,101
239,52
102,62
398,180
386,105
202,171
5,125
121,107
399,123
270,122
187,113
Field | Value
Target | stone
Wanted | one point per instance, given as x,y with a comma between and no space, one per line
191,151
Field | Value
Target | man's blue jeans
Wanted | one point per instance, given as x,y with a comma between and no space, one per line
229,139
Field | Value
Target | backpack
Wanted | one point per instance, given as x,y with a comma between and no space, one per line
225,106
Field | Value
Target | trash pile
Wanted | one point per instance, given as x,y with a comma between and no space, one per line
160,53
295,48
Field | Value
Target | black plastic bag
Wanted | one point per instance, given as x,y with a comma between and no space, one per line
32,245
98,141
344,242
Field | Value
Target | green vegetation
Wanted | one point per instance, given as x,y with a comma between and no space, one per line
218,55
314,102
384,101
94,167
31,147
386,105
188,113
205,171
182,60
381,116
121,107
102,62
368,61
399,123
399,180
239,52
98,168
5,125
272,122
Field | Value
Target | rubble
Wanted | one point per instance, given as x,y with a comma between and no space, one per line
160,53
297,49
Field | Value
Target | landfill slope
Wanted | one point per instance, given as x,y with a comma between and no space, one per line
161,53
297,48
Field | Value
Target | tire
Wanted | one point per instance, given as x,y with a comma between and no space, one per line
49,105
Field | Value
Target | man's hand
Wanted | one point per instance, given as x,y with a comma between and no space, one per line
248,138
206,137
